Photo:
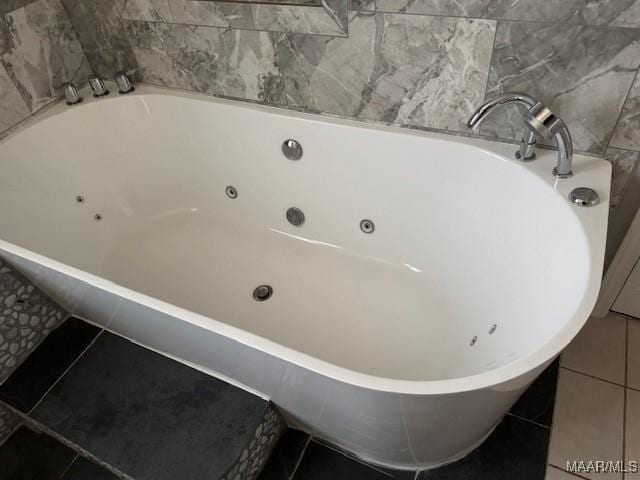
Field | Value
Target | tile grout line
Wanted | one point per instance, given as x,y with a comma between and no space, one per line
304,450
625,392
595,378
529,420
568,473
626,98
66,470
65,372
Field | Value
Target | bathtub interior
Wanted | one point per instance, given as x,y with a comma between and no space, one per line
466,244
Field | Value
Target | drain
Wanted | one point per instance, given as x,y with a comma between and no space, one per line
231,192
262,293
367,226
295,216
80,198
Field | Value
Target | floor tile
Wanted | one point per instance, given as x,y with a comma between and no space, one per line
554,473
632,431
536,404
148,416
633,365
516,450
83,469
274,469
28,455
286,455
26,386
587,422
323,463
599,349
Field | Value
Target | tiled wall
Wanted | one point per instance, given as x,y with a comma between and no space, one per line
39,50
415,63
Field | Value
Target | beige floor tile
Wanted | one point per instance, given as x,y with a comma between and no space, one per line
633,373
555,474
599,349
587,422
632,431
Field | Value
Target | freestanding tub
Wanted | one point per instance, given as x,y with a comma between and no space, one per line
405,346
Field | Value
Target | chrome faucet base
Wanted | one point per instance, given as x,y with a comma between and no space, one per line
71,94
539,120
124,84
530,158
557,174
97,87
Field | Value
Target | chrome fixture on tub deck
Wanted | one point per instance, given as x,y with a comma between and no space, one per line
123,82
71,94
539,120
97,87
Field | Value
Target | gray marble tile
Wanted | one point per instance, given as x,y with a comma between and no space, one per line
287,18
40,50
7,6
190,12
234,63
581,12
407,69
214,14
582,73
624,162
147,10
627,132
103,38
12,106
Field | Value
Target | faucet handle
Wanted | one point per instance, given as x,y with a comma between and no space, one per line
71,93
98,87
123,82
543,121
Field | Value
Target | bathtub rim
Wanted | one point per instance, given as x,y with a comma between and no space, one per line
497,376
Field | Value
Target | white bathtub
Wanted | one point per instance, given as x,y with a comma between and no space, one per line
367,340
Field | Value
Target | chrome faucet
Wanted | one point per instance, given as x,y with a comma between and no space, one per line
71,94
539,120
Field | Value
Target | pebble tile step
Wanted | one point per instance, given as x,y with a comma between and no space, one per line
145,416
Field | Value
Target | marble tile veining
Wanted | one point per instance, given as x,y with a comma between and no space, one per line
40,50
190,12
286,18
624,13
103,38
234,63
415,70
12,106
624,163
582,73
627,132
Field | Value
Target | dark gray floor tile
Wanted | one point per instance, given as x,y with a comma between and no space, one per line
28,455
286,456
323,463
274,469
83,469
516,450
148,416
536,404
26,386
290,448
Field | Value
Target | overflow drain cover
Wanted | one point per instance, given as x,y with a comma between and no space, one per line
262,293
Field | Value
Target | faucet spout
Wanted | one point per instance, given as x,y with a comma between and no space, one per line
498,101
527,150
539,120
